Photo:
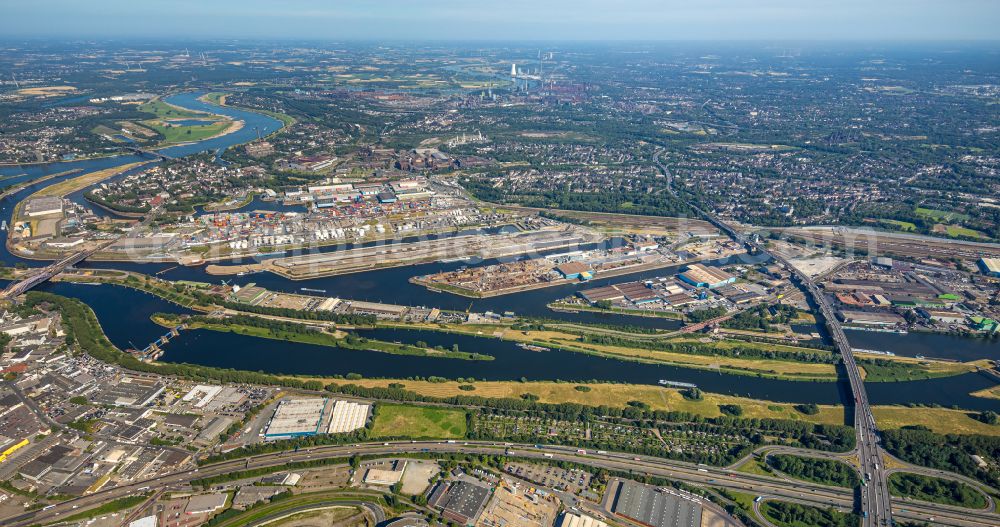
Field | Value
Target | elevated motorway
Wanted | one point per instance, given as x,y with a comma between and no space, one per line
152,153
797,491
875,506
47,272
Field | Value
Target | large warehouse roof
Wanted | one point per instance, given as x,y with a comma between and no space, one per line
701,274
296,417
348,416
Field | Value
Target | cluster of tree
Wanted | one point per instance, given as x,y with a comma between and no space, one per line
273,325
697,348
808,408
951,452
116,204
326,316
702,315
785,513
734,410
823,471
761,318
989,417
692,394
936,490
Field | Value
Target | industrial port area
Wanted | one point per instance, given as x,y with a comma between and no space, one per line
635,255
310,281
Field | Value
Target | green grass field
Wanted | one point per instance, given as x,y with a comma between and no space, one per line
941,215
754,466
395,420
184,134
900,225
166,111
955,231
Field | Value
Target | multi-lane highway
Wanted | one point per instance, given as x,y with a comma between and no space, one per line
795,491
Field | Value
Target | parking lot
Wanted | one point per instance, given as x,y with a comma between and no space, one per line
572,481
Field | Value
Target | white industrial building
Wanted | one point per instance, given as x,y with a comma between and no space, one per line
296,418
348,416
570,519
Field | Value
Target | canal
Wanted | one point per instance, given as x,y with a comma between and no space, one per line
124,314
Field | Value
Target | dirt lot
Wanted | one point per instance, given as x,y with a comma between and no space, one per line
336,516
519,506
323,479
417,476
710,519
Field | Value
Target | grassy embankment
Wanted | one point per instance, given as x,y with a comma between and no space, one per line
787,369
262,511
988,393
337,339
939,420
219,98
621,311
896,369
83,325
13,189
172,133
71,185
160,288
119,504
614,395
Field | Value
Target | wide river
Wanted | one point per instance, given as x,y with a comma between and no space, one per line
124,314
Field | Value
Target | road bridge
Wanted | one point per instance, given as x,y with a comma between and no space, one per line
152,153
46,273
875,501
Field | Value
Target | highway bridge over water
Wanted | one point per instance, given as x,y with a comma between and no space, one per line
875,500
47,272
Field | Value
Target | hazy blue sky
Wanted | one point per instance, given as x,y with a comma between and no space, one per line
507,19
